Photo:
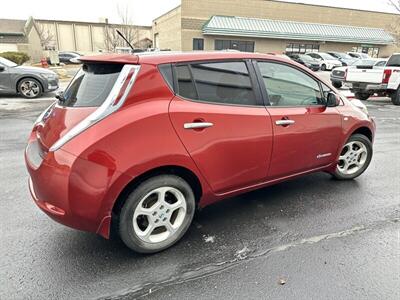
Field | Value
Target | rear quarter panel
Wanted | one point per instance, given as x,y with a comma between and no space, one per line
137,138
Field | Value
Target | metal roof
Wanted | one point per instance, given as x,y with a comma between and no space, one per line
277,29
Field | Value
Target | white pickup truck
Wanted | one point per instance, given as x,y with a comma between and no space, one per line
368,80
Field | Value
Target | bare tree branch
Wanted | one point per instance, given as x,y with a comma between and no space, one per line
127,28
45,36
394,27
395,4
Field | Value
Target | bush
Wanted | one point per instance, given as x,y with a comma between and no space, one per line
17,57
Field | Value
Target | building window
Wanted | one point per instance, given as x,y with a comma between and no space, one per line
370,50
198,44
301,48
244,46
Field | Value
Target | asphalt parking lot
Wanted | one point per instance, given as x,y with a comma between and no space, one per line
310,238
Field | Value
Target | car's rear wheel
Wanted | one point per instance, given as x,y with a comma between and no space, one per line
362,95
29,88
157,214
396,97
354,158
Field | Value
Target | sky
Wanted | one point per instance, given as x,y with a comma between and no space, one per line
142,11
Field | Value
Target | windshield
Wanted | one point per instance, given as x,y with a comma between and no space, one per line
91,85
326,56
343,55
394,61
306,58
7,63
365,62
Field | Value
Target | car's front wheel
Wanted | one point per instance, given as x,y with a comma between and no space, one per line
354,158
156,214
29,88
323,67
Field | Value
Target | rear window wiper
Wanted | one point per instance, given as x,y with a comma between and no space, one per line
60,97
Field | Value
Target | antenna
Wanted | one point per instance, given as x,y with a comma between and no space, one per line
121,35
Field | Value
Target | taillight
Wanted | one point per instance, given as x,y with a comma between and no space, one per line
386,75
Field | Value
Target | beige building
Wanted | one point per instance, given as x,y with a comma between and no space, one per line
273,26
20,36
89,37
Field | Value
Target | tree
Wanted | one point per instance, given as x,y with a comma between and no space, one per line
127,28
395,26
45,36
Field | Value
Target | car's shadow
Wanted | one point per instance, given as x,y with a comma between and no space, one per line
247,219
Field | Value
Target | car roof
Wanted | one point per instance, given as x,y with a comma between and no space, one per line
163,57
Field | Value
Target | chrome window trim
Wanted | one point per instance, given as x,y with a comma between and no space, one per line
105,109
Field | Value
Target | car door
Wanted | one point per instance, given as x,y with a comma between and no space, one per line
220,118
5,80
306,132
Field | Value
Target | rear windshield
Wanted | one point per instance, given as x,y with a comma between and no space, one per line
91,85
394,61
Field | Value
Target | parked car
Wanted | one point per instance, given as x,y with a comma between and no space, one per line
29,82
140,141
365,81
338,75
69,57
344,58
358,55
306,60
327,62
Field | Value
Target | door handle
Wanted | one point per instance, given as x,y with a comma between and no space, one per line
284,122
197,125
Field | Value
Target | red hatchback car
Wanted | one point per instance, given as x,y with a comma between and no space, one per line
138,141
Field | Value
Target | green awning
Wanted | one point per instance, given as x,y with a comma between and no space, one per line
276,29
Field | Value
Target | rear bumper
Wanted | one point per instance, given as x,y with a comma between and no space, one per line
366,86
69,189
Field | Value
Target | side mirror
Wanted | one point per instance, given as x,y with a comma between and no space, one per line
2,68
60,96
332,100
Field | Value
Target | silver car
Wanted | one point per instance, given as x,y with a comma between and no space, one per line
29,82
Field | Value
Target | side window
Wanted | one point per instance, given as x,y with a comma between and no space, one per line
287,86
166,72
218,82
224,82
381,63
186,87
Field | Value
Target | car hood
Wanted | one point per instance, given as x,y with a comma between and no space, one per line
32,70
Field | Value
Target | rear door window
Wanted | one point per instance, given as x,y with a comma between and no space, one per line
91,85
218,82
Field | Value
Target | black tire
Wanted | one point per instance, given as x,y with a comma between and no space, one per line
362,95
30,88
337,84
396,97
364,140
323,67
126,216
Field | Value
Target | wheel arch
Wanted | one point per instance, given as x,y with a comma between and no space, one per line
364,131
180,171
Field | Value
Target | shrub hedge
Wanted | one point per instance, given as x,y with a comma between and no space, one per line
17,57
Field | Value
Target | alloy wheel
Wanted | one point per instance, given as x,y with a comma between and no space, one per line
352,158
30,89
159,215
